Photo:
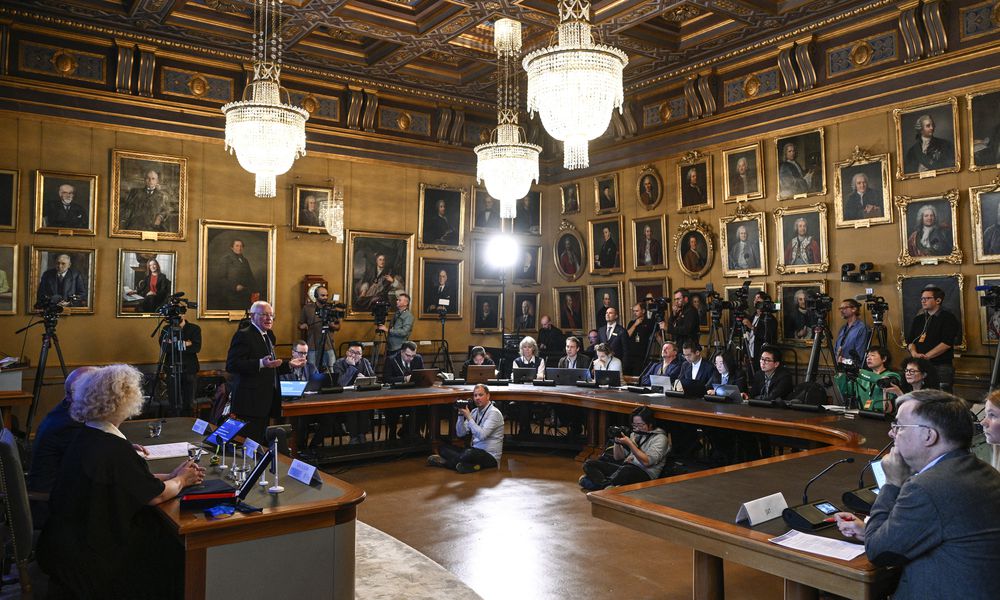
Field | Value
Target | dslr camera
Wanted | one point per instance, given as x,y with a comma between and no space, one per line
618,431
460,404
53,305
888,381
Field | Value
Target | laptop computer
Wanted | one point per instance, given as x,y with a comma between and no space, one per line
523,374
224,432
567,376
608,378
479,373
290,390
217,491
423,377
661,381
725,393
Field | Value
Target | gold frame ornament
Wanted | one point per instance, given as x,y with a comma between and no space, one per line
637,237
743,215
445,193
131,167
694,160
649,171
299,194
758,172
948,303
824,240
423,310
686,228
38,267
858,163
801,141
985,249
905,257
916,112
989,99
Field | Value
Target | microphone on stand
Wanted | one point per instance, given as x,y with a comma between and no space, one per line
810,516
861,499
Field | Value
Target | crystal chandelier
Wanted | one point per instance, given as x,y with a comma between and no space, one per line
507,165
266,134
331,213
576,84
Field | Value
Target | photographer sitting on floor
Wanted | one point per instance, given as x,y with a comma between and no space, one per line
485,422
637,457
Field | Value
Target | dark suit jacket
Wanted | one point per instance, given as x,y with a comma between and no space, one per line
655,252
151,303
695,386
781,385
607,258
942,527
582,362
254,389
72,285
396,371
58,216
656,368
854,205
618,342
344,374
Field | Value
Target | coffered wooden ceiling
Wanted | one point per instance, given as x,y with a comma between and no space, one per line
443,48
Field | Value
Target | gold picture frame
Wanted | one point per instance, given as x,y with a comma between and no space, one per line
984,204
365,279
308,219
568,303
857,203
136,296
10,280
792,319
231,281
138,213
482,323
933,248
78,280
441,217
10,195
944,154
751,260
791,244
615,292
800,160
608,248
700,195
694,259
748,184
431,284
569,195
607,196
649,187
569,252
643,287
908,288
54,215
984,129
989,319
658,243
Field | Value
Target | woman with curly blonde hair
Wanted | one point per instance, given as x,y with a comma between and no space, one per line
102,540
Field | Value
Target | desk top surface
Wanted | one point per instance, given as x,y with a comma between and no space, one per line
297,499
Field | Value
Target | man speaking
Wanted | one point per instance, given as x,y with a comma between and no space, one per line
255,370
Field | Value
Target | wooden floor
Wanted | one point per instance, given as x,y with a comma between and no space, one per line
526,532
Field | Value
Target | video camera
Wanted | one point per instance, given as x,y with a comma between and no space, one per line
380,310
330,313
737,305
175,306
55,304
876,305
888,381
990,297
819,304
657,305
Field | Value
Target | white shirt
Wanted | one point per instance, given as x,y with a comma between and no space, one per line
106,428
695,367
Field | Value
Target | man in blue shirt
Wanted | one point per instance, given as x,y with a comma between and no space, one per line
852,340
485,423
670,365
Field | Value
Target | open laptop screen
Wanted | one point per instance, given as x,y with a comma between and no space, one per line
292,389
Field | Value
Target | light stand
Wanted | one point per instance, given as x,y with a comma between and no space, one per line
503,251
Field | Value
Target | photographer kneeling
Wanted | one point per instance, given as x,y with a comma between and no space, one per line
485,422
637,457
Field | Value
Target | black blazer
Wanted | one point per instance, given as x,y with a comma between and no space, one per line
618,342
781,385
395,371
582,361
254,388
736,377
695,386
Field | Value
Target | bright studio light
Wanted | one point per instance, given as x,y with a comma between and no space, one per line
502,250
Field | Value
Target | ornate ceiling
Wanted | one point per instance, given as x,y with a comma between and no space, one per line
443,48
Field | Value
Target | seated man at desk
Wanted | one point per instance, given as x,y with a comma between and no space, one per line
345,370
637,457
323,423
574,359
669,365
572,416
772,381
400,368
935,517
485,423
695,373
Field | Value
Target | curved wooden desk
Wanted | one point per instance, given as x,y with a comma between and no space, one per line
301,545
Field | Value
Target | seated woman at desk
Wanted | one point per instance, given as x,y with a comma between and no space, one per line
637,457
477,357
726,374
101,539
605,360
529,358
918,374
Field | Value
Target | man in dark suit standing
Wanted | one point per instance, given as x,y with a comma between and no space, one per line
935,516
614,335
255,370
695,372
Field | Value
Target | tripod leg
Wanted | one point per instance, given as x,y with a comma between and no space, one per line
36,392
62,363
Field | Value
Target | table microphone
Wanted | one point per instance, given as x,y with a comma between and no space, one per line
810,516
861,499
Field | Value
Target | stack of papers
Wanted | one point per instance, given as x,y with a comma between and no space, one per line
819,545
177,450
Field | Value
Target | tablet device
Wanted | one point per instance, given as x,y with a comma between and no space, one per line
732,392
523,374
423,377
225,432
608,378
479,373
567,376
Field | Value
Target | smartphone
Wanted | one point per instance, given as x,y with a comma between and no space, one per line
826,508
879,473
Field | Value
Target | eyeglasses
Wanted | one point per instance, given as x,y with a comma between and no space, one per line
767,360
912,371
927,298
354,352
299,353
894,427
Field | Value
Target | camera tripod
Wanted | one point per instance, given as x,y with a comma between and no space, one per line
739,346
324,338
449,367
716,333
821,340
171,348
879,336
49,338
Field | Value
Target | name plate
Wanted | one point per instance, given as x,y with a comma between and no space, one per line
424,343
150,235
68,232
742,274
199,426
798,270
799,196
926,174
928,261
862,223
762,510
742,197
301,472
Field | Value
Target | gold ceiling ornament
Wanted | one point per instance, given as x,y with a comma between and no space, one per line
692,156
64,62
751,86
198,86
682,13
403,121
862,53
859,155
665,112
310,104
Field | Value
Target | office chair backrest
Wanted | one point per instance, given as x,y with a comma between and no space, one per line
16,508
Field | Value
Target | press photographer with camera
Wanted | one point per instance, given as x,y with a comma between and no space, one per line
485,423
314,317
402,324
933,334
918,374
682,324
636,457
762,330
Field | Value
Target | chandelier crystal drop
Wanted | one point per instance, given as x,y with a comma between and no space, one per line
266,133
575,85
331,214
507,165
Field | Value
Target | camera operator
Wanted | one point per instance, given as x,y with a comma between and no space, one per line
772,381
485,423
933,333
682,324
762,330
401,326
311,321
638,329
853,335
880,397
637,457
191,341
